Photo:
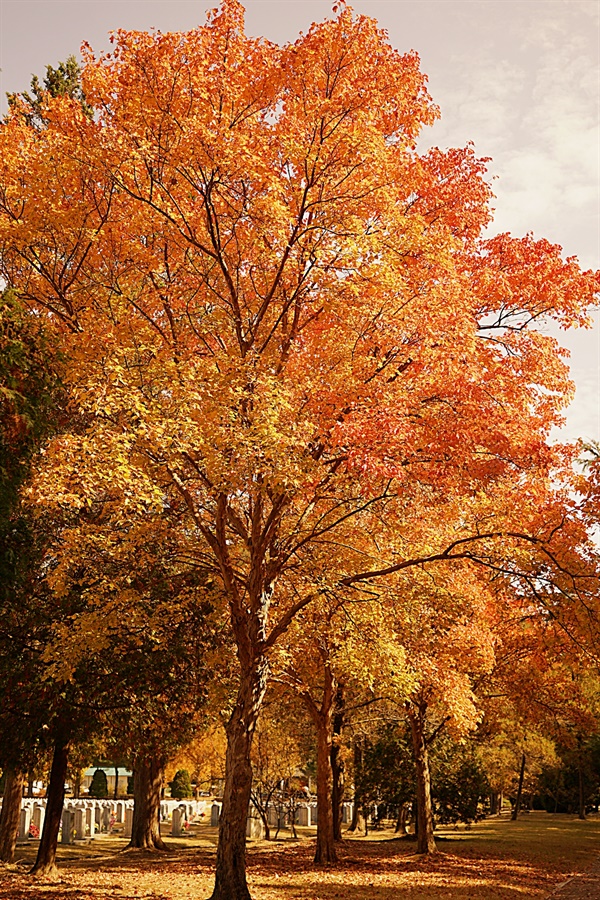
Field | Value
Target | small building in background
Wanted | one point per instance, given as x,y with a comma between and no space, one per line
112,773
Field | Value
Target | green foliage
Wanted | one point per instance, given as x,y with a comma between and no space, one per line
386,775
558,786
64,81
29,387
181,786
99,785
459,783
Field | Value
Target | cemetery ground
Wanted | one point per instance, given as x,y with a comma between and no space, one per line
496,859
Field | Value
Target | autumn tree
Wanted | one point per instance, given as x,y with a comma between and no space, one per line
29,403
338,657
280,316
152,635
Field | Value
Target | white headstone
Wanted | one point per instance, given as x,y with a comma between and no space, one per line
79,825
24,822
177,822
128,822
90,822
38,817
302,815
120,811
254,828
67,827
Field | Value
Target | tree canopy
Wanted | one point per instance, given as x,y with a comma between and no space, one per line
288,336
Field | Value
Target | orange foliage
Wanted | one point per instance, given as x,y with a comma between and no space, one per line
279,316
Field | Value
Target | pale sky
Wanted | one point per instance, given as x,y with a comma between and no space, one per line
519,78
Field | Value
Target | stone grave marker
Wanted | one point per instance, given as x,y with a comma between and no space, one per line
79,819
90,822
67,827
302,815
255,830
177,822
24,823
38,817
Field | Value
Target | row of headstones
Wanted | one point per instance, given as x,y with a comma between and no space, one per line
81,818
81,823
190,808
305,815
183,812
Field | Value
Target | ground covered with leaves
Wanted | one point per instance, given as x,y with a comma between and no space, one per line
495,860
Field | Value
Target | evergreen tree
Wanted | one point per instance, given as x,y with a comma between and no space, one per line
99,785
181,786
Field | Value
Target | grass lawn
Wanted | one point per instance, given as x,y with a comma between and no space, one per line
494,860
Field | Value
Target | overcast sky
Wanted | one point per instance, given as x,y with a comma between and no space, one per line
519,78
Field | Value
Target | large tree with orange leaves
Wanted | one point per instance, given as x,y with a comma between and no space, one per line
282,324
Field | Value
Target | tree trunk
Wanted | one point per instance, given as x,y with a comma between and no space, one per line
493,804
266,826
425,838
322,716
11,812
325,852
147,785
517,808
45,863
581,790
357,760
116,790
402,816
230,878
337,766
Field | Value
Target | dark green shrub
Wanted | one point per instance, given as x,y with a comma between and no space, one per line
181,786
99,785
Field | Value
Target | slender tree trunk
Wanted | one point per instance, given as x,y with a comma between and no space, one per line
425,838
517,809
322,716
402,816
45,863
266,826
325,852
493,804
30,780
11,812
262,809
147,785
357,754
230,879
337,766
116,790
581,790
